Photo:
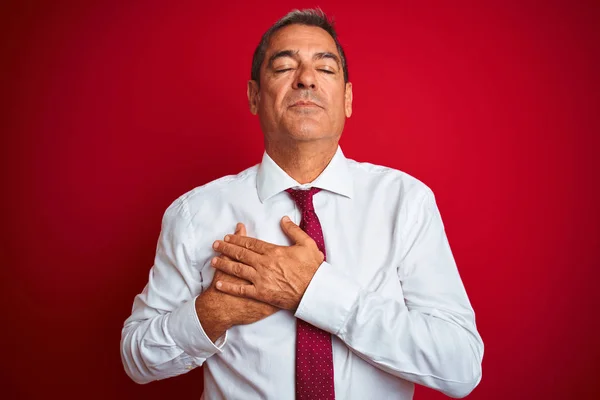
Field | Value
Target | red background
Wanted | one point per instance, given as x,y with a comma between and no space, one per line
110,111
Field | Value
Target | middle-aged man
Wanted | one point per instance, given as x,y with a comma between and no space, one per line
355,296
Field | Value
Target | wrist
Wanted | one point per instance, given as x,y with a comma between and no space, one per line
214,321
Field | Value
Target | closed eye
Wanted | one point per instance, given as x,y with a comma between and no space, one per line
327,71
282,70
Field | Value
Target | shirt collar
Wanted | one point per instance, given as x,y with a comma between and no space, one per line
336,177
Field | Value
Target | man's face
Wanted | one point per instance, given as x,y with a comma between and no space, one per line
302,94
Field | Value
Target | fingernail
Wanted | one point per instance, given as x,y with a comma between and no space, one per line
227,238
214,261
286,219
219,284
216,245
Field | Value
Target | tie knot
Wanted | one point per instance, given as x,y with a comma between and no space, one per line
303,198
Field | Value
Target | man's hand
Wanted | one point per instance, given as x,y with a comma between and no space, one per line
218,311
278,275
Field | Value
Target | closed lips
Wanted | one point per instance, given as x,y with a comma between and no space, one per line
304,103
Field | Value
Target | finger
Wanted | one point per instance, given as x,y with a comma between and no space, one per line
255,245
241,230
293,231
237,269
222,276
236,253
240,290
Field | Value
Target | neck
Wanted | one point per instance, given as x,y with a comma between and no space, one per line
303,161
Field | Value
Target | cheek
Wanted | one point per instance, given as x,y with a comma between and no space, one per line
338,105
273,100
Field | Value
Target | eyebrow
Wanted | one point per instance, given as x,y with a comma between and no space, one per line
294,53
326,54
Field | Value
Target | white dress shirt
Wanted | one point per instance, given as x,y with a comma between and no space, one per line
390,292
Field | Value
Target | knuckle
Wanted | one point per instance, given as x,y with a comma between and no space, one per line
238,255
277,252
237,269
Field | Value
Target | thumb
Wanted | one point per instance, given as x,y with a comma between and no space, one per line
293,231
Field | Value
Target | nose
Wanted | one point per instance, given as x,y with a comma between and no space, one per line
305,79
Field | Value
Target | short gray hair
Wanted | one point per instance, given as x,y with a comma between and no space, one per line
309,17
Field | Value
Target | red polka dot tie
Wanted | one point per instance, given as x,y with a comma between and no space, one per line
314,357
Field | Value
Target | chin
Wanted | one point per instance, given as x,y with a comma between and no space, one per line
306,130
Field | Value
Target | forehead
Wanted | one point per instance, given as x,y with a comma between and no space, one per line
310,39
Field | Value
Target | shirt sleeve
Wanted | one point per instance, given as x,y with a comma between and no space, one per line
163,336
429,337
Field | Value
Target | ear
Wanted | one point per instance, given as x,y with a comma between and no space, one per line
348,100
253,96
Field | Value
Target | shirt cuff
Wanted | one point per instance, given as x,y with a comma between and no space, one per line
328,299
187,332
